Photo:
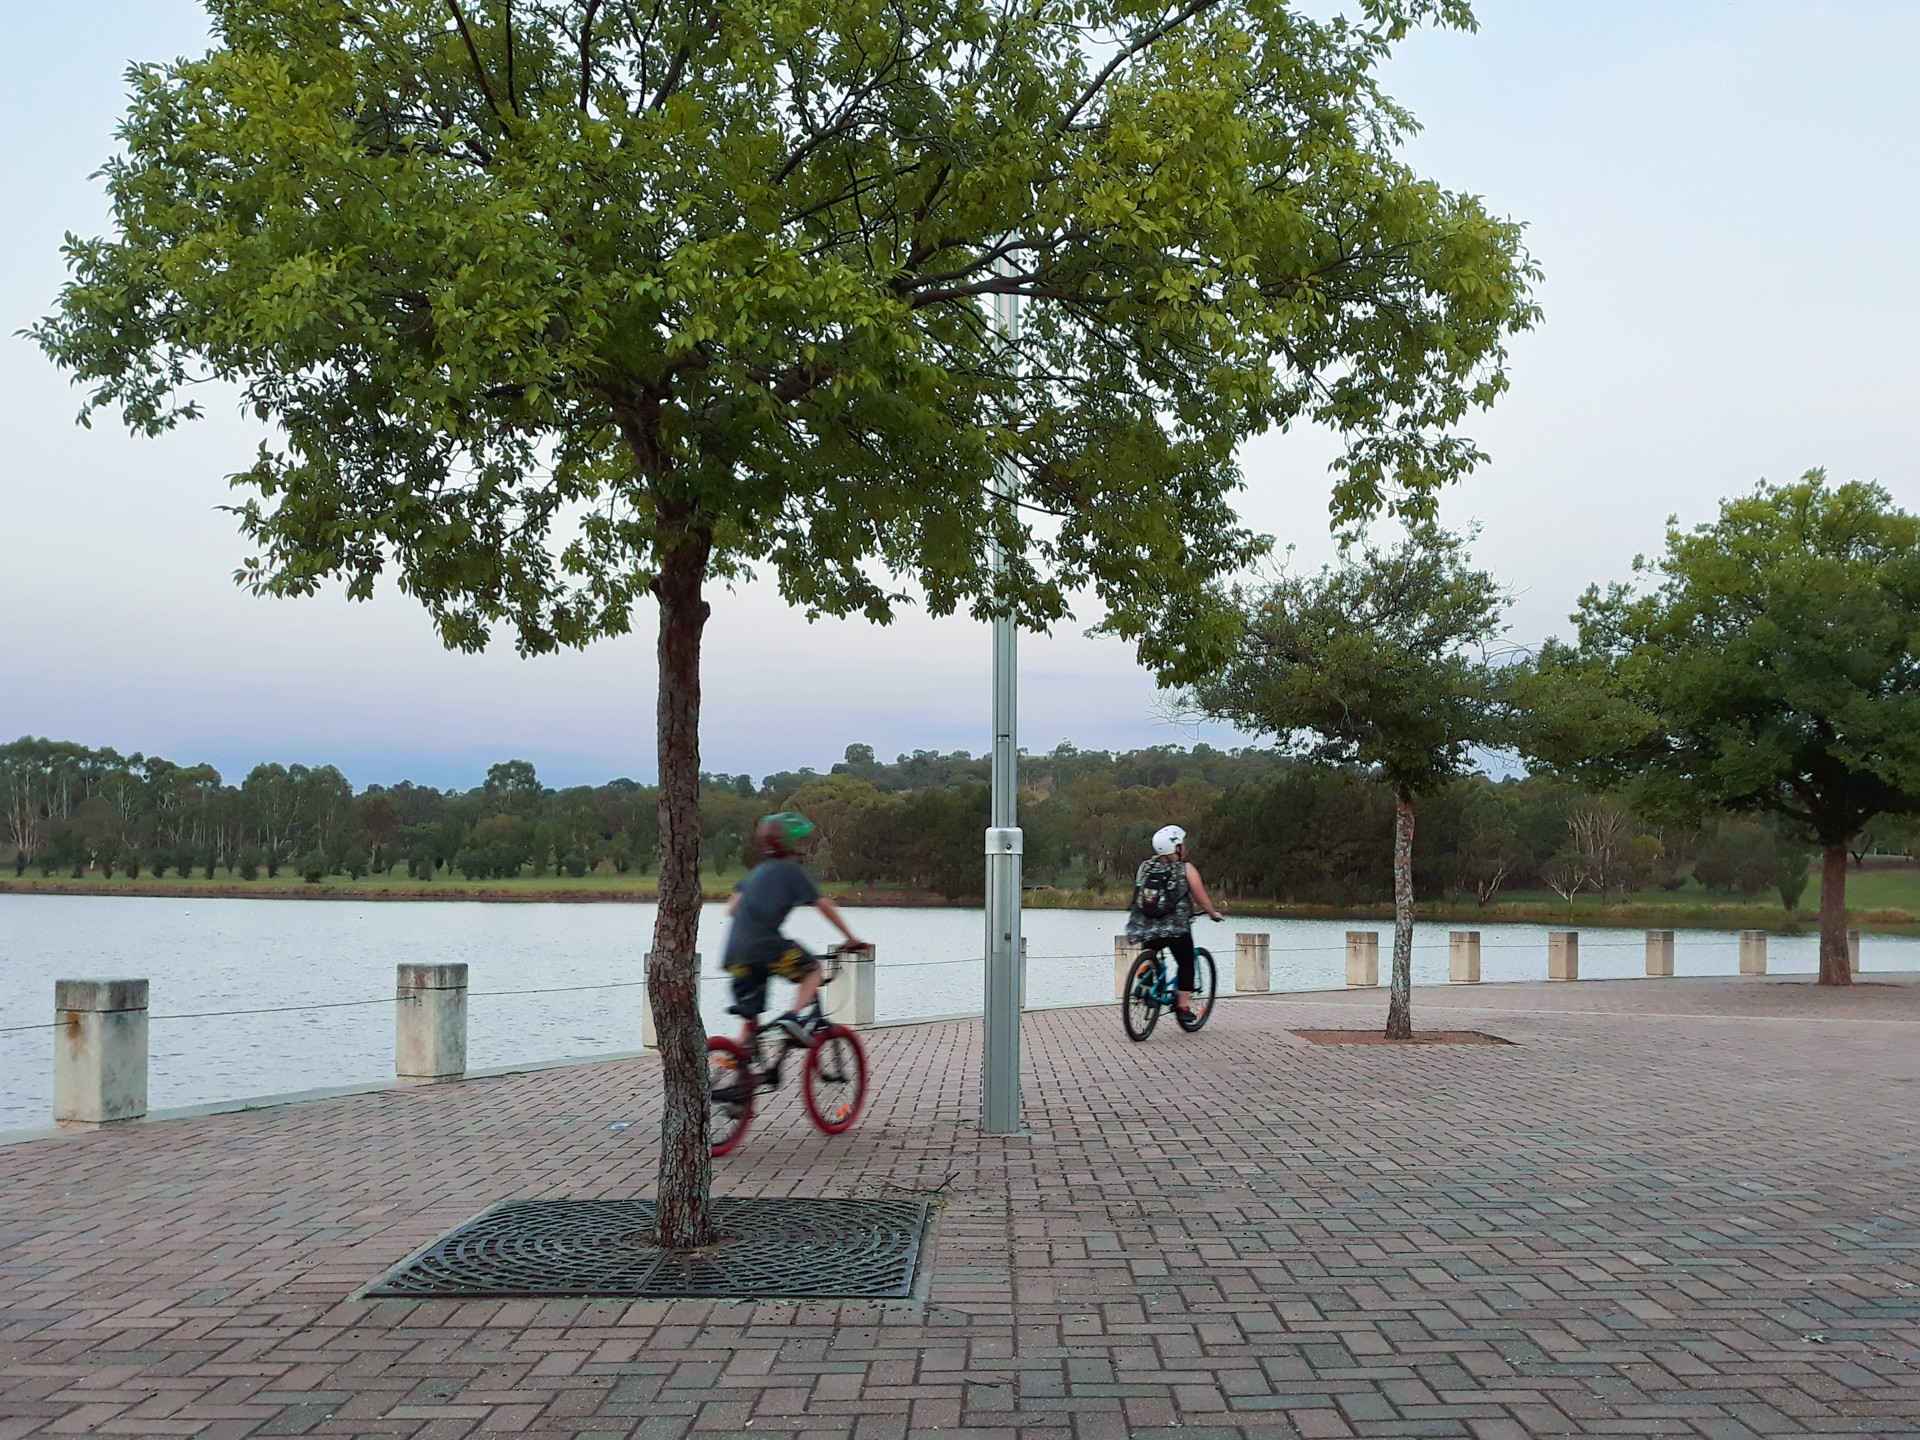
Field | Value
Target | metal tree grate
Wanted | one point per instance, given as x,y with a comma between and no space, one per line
769,1250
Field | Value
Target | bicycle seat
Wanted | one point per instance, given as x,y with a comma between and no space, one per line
745,1012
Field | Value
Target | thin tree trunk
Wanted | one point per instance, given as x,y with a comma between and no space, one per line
1400,1002
1834,966
686,1168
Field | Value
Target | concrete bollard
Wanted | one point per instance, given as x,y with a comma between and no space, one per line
1853,952
649,1040
1563,955
1363,957
1123,952
1253,964
1463,957
99,1052
1660,954
430,1023
1753,952
848,997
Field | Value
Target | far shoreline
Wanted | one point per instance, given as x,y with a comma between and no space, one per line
1631,915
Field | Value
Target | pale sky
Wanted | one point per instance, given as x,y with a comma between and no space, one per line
1723,196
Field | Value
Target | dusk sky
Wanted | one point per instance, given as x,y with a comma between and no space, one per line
1724,198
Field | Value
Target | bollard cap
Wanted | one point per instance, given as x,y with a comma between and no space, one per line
100,996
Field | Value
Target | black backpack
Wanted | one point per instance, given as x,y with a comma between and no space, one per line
1159,891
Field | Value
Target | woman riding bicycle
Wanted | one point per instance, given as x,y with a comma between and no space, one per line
760,903
1165,890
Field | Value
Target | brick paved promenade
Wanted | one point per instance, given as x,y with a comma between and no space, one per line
1682,1207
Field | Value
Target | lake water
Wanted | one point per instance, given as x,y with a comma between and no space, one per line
209,955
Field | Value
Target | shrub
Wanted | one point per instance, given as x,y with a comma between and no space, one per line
575,864
355,861
313,867
496,848
1790,864
248,863
1735,854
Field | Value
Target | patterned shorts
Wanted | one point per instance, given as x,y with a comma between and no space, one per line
792,963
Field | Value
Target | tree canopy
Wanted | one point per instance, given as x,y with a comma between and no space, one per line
524,290
1377,662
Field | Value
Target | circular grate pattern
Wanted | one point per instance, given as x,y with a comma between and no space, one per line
772,1249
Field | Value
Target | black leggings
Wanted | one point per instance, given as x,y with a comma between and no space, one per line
1181,947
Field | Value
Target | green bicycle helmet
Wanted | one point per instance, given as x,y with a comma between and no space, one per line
783,833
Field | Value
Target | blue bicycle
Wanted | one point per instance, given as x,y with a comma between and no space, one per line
1150,990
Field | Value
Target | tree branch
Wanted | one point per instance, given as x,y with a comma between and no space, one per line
473,54
672,80
1140,43
586,52
513,99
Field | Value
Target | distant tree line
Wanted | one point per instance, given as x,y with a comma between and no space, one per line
1264,825
73,810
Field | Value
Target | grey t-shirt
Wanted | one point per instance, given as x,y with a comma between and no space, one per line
768,894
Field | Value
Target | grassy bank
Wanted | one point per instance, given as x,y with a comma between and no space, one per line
1884,899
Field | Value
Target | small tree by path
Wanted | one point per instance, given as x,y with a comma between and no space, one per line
1773,667
559,308
1376,663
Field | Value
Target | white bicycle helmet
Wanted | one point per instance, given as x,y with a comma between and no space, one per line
1167,839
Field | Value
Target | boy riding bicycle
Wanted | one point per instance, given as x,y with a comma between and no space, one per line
756,949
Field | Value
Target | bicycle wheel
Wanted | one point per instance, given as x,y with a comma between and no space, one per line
1140,1011
730,1085
1204,982
834,1079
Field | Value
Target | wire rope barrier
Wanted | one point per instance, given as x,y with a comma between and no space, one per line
1329,949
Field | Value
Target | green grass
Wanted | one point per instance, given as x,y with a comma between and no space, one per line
599,885
1882,897
1877,887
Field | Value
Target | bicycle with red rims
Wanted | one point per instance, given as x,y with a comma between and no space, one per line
833,1070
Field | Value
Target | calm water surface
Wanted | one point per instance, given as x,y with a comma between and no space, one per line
205,955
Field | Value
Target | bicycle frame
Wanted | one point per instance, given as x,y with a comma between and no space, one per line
753,1071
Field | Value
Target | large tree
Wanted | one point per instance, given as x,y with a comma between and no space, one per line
555,307
1773,665
1378,662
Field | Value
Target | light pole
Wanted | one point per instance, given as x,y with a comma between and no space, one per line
1000,1058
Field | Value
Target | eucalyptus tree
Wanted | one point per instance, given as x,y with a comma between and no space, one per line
1377,663
554,308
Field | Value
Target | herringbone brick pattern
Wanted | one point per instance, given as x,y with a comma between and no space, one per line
1673,1207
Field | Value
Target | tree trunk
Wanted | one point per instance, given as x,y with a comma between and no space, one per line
1834,966
686,1168
1400,1001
